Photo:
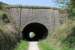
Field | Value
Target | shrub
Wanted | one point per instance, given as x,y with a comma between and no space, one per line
8,37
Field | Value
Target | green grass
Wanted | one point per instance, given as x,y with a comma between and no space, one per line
44,45
23,45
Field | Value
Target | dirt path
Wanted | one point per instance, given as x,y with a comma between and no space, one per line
33,46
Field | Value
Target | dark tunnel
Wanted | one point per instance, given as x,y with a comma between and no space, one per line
39,30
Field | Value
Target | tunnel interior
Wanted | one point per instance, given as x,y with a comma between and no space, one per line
38,29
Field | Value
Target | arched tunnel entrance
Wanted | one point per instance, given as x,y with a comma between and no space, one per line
38,29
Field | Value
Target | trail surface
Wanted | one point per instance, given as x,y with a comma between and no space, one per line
33,46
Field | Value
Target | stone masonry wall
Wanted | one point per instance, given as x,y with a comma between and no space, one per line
50,18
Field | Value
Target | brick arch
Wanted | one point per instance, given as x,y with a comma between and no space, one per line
39,29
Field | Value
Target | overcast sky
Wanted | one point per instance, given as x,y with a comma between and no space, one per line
32,2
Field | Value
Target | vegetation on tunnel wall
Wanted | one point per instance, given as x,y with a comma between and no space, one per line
64,35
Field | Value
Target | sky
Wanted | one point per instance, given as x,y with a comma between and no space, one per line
50,3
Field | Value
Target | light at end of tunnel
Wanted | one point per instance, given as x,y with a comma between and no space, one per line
32,35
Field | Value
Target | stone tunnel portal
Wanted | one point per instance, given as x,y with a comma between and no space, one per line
39,30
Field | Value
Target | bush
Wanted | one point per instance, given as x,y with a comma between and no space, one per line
8,37
64,36
5,18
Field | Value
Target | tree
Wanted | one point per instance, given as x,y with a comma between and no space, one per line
63,4
71,9
69,5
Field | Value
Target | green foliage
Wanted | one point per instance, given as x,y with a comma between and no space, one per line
44,45
23,45
5,18
70,39
3,5
8,37
71,9
8,34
